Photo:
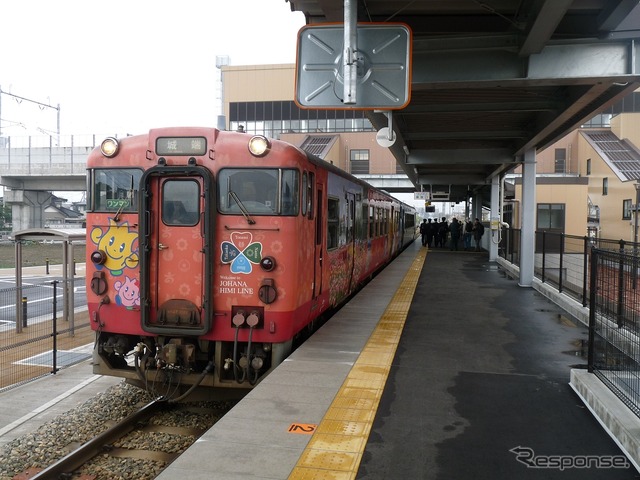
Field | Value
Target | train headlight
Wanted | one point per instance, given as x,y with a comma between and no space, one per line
99,257
109,147
259,145
268,263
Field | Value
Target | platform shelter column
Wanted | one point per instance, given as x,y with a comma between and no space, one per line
27,207
494,233
528,233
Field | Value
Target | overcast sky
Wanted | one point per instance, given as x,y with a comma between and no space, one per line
124,66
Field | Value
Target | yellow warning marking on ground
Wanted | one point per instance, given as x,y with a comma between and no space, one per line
336,448
302,428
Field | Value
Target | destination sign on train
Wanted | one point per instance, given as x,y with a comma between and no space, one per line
181,146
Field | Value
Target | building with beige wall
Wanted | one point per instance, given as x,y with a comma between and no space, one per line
586,182
259,98
582,186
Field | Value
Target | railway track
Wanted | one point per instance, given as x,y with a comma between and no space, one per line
156,433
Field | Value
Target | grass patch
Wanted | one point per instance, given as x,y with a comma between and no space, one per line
34,254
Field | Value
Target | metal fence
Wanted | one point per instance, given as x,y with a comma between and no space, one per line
614,317
604,275
562,261
45,341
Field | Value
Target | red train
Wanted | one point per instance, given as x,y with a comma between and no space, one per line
210,252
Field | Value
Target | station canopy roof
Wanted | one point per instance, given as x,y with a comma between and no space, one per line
47,234
494,79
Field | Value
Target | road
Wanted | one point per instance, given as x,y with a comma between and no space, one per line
37,287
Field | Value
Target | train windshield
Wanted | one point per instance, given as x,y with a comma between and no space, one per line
114,189
258,191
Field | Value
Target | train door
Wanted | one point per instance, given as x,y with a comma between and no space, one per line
401,232
317,283
392,231
351,236
175,267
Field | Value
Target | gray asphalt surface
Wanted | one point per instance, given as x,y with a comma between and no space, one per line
479,386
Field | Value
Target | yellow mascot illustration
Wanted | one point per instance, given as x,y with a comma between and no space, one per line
119,244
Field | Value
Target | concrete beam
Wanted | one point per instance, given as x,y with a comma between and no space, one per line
45,182
453,179
475,156
390,183
555,65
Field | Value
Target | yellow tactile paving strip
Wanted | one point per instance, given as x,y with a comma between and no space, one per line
336,448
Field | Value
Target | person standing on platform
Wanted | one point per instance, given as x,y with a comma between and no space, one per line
424,231
454,229
468,234
478,231
431,233
443,228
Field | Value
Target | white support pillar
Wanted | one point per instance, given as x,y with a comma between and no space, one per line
527,238
494,234
68,275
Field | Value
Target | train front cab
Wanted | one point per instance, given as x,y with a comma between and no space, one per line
188,321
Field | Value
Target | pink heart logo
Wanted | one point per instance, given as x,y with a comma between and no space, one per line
241,239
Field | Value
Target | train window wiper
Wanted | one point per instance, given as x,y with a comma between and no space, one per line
242,208
116,218
122,205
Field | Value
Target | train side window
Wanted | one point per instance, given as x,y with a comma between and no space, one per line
383,224
349,226
310,186
374,219
305,193
333,221
363,222
372,222
387,219
289,193
319,219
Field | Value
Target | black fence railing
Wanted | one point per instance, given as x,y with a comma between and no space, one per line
509,246
45,341
562,260
614,318
604,275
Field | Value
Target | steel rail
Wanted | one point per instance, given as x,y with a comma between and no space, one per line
74,460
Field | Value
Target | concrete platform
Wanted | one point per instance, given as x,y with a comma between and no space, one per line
27,407
622,425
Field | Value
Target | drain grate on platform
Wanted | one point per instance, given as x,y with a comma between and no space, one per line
65,358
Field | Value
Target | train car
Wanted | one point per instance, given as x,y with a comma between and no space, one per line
210,252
